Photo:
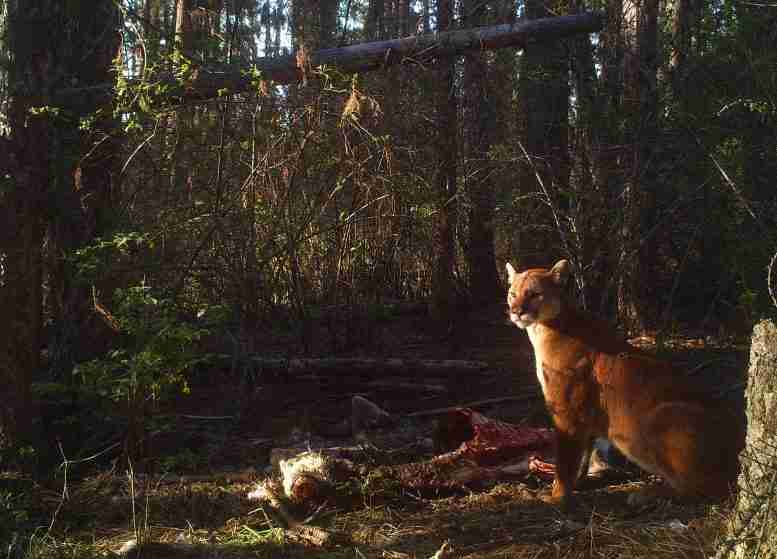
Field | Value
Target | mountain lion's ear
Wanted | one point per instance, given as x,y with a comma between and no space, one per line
511,273
560,272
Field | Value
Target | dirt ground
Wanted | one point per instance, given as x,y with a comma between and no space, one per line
212,446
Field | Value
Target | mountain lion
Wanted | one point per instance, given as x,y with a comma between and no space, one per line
596,385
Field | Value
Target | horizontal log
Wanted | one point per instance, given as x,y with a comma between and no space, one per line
475,404
419,49
418,387
208,82
367,366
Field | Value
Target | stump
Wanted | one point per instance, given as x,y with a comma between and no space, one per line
753,528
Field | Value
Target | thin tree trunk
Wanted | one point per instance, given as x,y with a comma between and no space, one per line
328,17
181,122
682,24
374,24
403,13
145,55
606,169
443,289
480,123
183,27
640,106
543,129
591,200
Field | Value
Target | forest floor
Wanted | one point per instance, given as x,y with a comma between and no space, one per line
211,447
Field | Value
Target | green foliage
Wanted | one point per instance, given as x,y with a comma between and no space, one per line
14,510
26,457
19,512
184,460
92,261
160,349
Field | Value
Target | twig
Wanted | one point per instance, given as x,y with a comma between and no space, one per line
738,193
770,279
64,489
66,466
208,417
475,404
550,203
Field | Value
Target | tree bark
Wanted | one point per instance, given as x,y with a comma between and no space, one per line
752,531
682,24
480,131
445,183
543,129
607,175
23,212
181,122
640,108
208,81
374,24
591,202
183,27
328,15
53,184
84,189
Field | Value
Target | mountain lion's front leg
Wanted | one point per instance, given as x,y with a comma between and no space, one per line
570,450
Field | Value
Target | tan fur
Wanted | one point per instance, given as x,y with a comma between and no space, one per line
596,385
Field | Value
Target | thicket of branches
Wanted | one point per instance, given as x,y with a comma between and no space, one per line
645,154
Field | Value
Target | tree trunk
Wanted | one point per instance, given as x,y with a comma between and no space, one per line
328,15
183,27
23,208
21,251
84,190
52,182
640,108
182,120
607,175
480,124
444,181
425,16
543,130
374,25
752,530
683,15
306,24
593,177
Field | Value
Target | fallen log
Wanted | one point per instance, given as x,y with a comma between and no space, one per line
475,404
419,49
367,366
392,384
208,82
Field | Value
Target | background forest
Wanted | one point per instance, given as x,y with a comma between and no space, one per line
154,226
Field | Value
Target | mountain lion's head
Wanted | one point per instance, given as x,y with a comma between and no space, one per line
535,295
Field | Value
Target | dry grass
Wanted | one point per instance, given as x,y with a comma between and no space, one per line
214,519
